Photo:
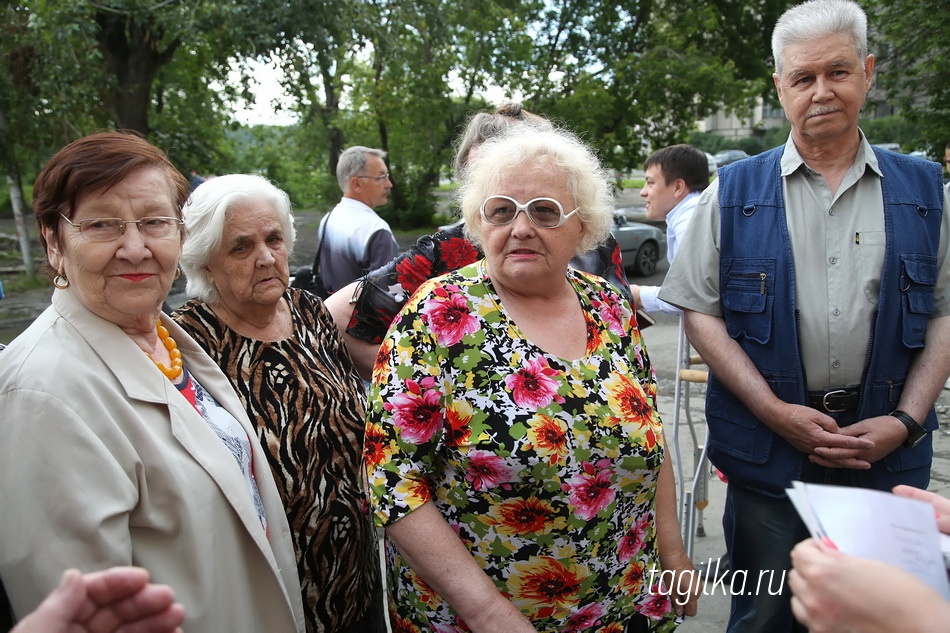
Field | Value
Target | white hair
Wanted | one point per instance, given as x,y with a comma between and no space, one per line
819,18
524,148
207,211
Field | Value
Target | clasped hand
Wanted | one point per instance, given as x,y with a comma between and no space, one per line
826,444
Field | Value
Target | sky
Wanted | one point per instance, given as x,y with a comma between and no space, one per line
266,87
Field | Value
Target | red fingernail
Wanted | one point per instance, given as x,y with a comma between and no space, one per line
827,542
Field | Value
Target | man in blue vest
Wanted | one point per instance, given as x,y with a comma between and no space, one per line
815,288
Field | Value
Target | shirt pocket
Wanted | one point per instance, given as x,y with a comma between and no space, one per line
748,293
870,250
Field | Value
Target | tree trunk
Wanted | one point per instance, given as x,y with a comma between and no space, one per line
12,173
134,54
328,114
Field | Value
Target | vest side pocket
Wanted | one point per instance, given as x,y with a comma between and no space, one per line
748,293
917,282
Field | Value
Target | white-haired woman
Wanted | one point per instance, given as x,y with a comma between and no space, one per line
514,450
287,362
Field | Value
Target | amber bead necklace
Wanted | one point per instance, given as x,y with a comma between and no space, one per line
173,372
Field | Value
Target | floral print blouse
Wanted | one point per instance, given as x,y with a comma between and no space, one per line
385,290
546,468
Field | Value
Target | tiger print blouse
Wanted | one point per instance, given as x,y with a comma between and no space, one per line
307,402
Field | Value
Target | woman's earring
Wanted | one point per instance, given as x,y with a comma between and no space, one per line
60,281
177,272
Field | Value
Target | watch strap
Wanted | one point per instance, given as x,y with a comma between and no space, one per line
914,430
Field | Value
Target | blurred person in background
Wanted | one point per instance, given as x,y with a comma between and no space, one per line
353,238
674,178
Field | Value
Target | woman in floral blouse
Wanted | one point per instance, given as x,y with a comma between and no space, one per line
365,309
514,452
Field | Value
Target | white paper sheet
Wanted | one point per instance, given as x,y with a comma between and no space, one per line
877,525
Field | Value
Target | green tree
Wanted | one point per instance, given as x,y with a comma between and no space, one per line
404,75
632,75
911,41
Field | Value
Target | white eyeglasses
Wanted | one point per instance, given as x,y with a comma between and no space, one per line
546,213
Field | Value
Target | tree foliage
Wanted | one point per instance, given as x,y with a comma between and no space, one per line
912,44
404,75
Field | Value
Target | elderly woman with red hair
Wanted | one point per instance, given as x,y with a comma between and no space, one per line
123,443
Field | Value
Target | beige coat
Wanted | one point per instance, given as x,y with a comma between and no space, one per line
103,462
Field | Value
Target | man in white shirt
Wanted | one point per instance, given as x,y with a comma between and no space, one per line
354,238
675,176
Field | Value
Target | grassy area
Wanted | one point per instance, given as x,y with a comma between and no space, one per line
21,281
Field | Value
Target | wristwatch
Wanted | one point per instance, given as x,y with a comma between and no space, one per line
915,432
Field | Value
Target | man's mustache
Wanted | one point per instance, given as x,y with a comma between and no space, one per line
822,110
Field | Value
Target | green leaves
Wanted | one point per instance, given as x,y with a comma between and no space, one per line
911,43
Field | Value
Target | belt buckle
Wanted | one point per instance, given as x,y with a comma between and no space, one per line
824,401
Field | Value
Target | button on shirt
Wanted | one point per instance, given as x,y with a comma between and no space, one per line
838,248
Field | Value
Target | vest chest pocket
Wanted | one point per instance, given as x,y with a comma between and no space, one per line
918,278
748,291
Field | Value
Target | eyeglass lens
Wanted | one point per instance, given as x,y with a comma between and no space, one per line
107,229
544,212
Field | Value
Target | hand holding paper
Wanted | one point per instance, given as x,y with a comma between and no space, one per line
837,593
887,573
897,530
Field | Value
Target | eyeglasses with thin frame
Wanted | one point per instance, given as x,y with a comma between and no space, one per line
109,229
546,213
377,178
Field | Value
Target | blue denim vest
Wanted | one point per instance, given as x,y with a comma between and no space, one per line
757,285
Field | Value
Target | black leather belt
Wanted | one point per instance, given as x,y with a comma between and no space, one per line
834,400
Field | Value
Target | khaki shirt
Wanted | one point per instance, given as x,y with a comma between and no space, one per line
838,250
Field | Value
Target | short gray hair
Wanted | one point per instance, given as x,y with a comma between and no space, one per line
819,18
556,150
206,213
352,162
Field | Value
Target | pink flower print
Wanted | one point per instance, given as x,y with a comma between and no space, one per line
533,386
611,312
590,491
486,470
633,541
657,604
449,317
585,618
416,412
